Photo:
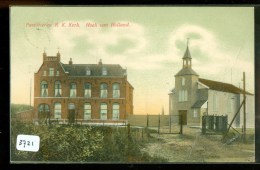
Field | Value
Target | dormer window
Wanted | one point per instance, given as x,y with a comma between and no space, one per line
104,71
88,72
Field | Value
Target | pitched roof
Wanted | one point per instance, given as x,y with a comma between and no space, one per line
96,69
186,71
198,104
219,86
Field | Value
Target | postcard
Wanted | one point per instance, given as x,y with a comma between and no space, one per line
119,84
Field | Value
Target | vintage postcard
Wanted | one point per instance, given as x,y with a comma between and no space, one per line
114,84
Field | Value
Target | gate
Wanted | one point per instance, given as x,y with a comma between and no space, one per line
165,124
213,124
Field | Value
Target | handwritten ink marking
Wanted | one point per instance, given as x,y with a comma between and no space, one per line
28,143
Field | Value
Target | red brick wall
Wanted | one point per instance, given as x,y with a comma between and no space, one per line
125,101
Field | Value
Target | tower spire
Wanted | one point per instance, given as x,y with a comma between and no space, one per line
187,57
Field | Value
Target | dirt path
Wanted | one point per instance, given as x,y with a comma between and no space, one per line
192,146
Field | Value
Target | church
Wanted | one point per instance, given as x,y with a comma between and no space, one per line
192,97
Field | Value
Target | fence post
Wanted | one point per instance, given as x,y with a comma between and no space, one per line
128,131
181,124
147,121
204,124
170,124
159,124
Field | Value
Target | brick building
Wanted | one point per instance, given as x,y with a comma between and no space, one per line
81,91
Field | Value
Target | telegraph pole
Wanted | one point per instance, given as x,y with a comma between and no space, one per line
30,90
244,96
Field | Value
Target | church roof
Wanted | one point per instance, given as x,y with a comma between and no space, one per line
186,71
198,104
224,87
95,69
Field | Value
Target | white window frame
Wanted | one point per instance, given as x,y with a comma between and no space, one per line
116,90
44,88
51,71
103,111
87,91
103,90
57,110
87,111
73,91
115,111
57,90
183,95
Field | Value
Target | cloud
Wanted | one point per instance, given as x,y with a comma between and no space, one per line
102,42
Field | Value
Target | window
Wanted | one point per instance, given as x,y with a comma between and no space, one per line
183,81
57,89
71,106
51,71
195,113
87,90
215,102
87,111
44,89
57,73
183,95
57,111
88,72
103,111
73,90
115,115
104,71
44,73
103,90
116,90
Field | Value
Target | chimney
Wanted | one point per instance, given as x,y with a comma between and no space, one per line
58,56
44,55
70,62
100,62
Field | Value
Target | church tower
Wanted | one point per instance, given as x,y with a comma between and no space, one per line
185,88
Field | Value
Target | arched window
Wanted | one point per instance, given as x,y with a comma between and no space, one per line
183,81
73,90
103,111
57,111
57,89
87,90
43,112
44,89
87,111
115,114
103,90
116,90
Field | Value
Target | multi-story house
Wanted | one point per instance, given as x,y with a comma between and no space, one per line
81,91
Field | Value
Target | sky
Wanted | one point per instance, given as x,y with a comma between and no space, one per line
150,45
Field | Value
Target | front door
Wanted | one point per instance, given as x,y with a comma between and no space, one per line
43,113
71,113
183,117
